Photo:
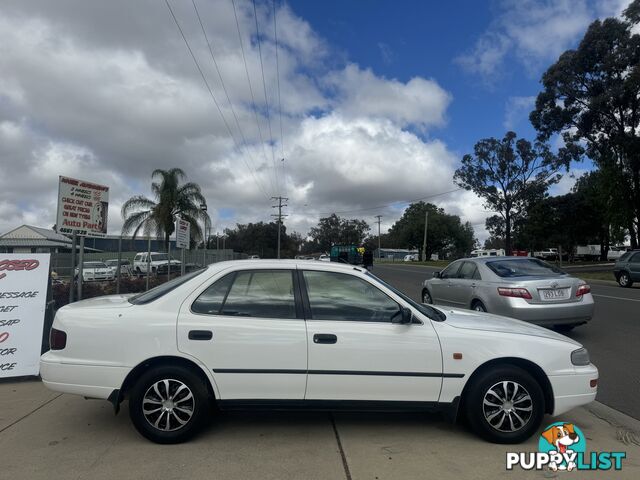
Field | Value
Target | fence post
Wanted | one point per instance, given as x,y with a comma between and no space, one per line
118,267
169,261
148,259
72,284
182,267
80,265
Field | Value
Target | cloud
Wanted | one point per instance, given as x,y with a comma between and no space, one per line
107,92
386,52
532,32
516,110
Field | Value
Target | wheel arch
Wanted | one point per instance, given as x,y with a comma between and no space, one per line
475,299
170,360
527,365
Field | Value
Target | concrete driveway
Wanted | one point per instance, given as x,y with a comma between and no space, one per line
44,435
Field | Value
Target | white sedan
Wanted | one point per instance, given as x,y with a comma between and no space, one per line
291,334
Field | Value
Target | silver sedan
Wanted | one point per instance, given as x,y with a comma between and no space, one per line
519,287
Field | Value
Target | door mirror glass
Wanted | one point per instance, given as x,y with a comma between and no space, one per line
436,274
404,316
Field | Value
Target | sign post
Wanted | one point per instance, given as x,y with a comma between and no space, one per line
183,238
23,298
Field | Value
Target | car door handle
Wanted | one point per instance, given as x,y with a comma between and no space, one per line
200,334
473,285
324,338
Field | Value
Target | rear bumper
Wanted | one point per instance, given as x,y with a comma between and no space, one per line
549,314
92,381
574,390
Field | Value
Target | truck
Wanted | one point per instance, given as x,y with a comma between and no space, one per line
587,252
346,254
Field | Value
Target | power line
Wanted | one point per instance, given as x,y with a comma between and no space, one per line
275,36
213,97
392,204
253,98
224,88
266,100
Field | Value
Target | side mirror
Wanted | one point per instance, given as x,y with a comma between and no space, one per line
403,317
436,274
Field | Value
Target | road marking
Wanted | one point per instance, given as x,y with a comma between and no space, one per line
616,298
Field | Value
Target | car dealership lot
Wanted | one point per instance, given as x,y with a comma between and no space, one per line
609,336
44,435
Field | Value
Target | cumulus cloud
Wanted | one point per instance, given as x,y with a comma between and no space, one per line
107,92
517,110
533,32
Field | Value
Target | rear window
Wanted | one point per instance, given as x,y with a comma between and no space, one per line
161,290
625,256
524,267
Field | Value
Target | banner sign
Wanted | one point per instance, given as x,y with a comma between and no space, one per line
183,233
82,207
23,295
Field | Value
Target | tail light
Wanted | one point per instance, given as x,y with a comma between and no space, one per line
57,339
583,289
514,292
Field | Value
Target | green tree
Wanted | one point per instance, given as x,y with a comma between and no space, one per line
509,174
262,239
172,200
591,97
446,234
333,230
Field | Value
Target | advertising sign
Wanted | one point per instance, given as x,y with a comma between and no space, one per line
82,207
23,295
183,233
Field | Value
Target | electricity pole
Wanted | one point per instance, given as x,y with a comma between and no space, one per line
378,217
279,215
424,242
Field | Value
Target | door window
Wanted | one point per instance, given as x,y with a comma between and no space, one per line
467,271
338,296
254,293
450,271
635,258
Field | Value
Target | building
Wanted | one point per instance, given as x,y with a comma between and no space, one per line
29,239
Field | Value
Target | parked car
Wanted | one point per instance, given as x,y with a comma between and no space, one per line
547,254
155,260
615,253
627,268
163,269
324,258
518,287
412,257
254,257
125,266
493,252
290,334
94,272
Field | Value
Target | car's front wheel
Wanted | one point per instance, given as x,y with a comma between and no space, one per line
169,404
504,405
624,280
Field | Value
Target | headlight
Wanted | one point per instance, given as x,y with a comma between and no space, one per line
580,357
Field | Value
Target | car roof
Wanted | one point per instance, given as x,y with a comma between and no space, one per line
280,263
492,258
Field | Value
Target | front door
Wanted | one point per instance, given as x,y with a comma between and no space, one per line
245,327
356,352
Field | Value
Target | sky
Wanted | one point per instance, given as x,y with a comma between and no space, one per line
372,104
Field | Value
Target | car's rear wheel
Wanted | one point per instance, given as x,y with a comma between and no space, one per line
169,404
478,306
624,280
504,405
426,296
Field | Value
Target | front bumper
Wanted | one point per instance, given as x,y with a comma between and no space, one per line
573,390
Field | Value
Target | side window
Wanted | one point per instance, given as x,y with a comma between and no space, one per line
250,293
451,271
339,296
476,274
467,270
635,258
210,301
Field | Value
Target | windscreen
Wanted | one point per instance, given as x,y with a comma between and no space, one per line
163,289
523,267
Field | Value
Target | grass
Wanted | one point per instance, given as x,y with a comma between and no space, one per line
595,275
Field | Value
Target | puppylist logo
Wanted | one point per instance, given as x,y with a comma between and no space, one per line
563,447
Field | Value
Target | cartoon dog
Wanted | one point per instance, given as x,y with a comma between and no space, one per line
561,437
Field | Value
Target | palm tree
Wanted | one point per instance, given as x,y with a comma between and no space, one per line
171,200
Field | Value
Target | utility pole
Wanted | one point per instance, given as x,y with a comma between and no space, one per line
379,217
279,215
424,242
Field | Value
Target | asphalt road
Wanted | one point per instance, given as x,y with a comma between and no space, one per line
611,337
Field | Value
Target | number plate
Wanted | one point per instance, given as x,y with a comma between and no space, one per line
550,294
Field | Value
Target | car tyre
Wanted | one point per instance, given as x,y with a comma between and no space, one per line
169,404
478,306
624,280
426,296
510,421
564,328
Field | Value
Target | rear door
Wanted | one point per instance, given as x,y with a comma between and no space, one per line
247,328
463,287
634,267
442,287
356,352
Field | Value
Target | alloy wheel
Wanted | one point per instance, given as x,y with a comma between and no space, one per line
168,405
507,406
